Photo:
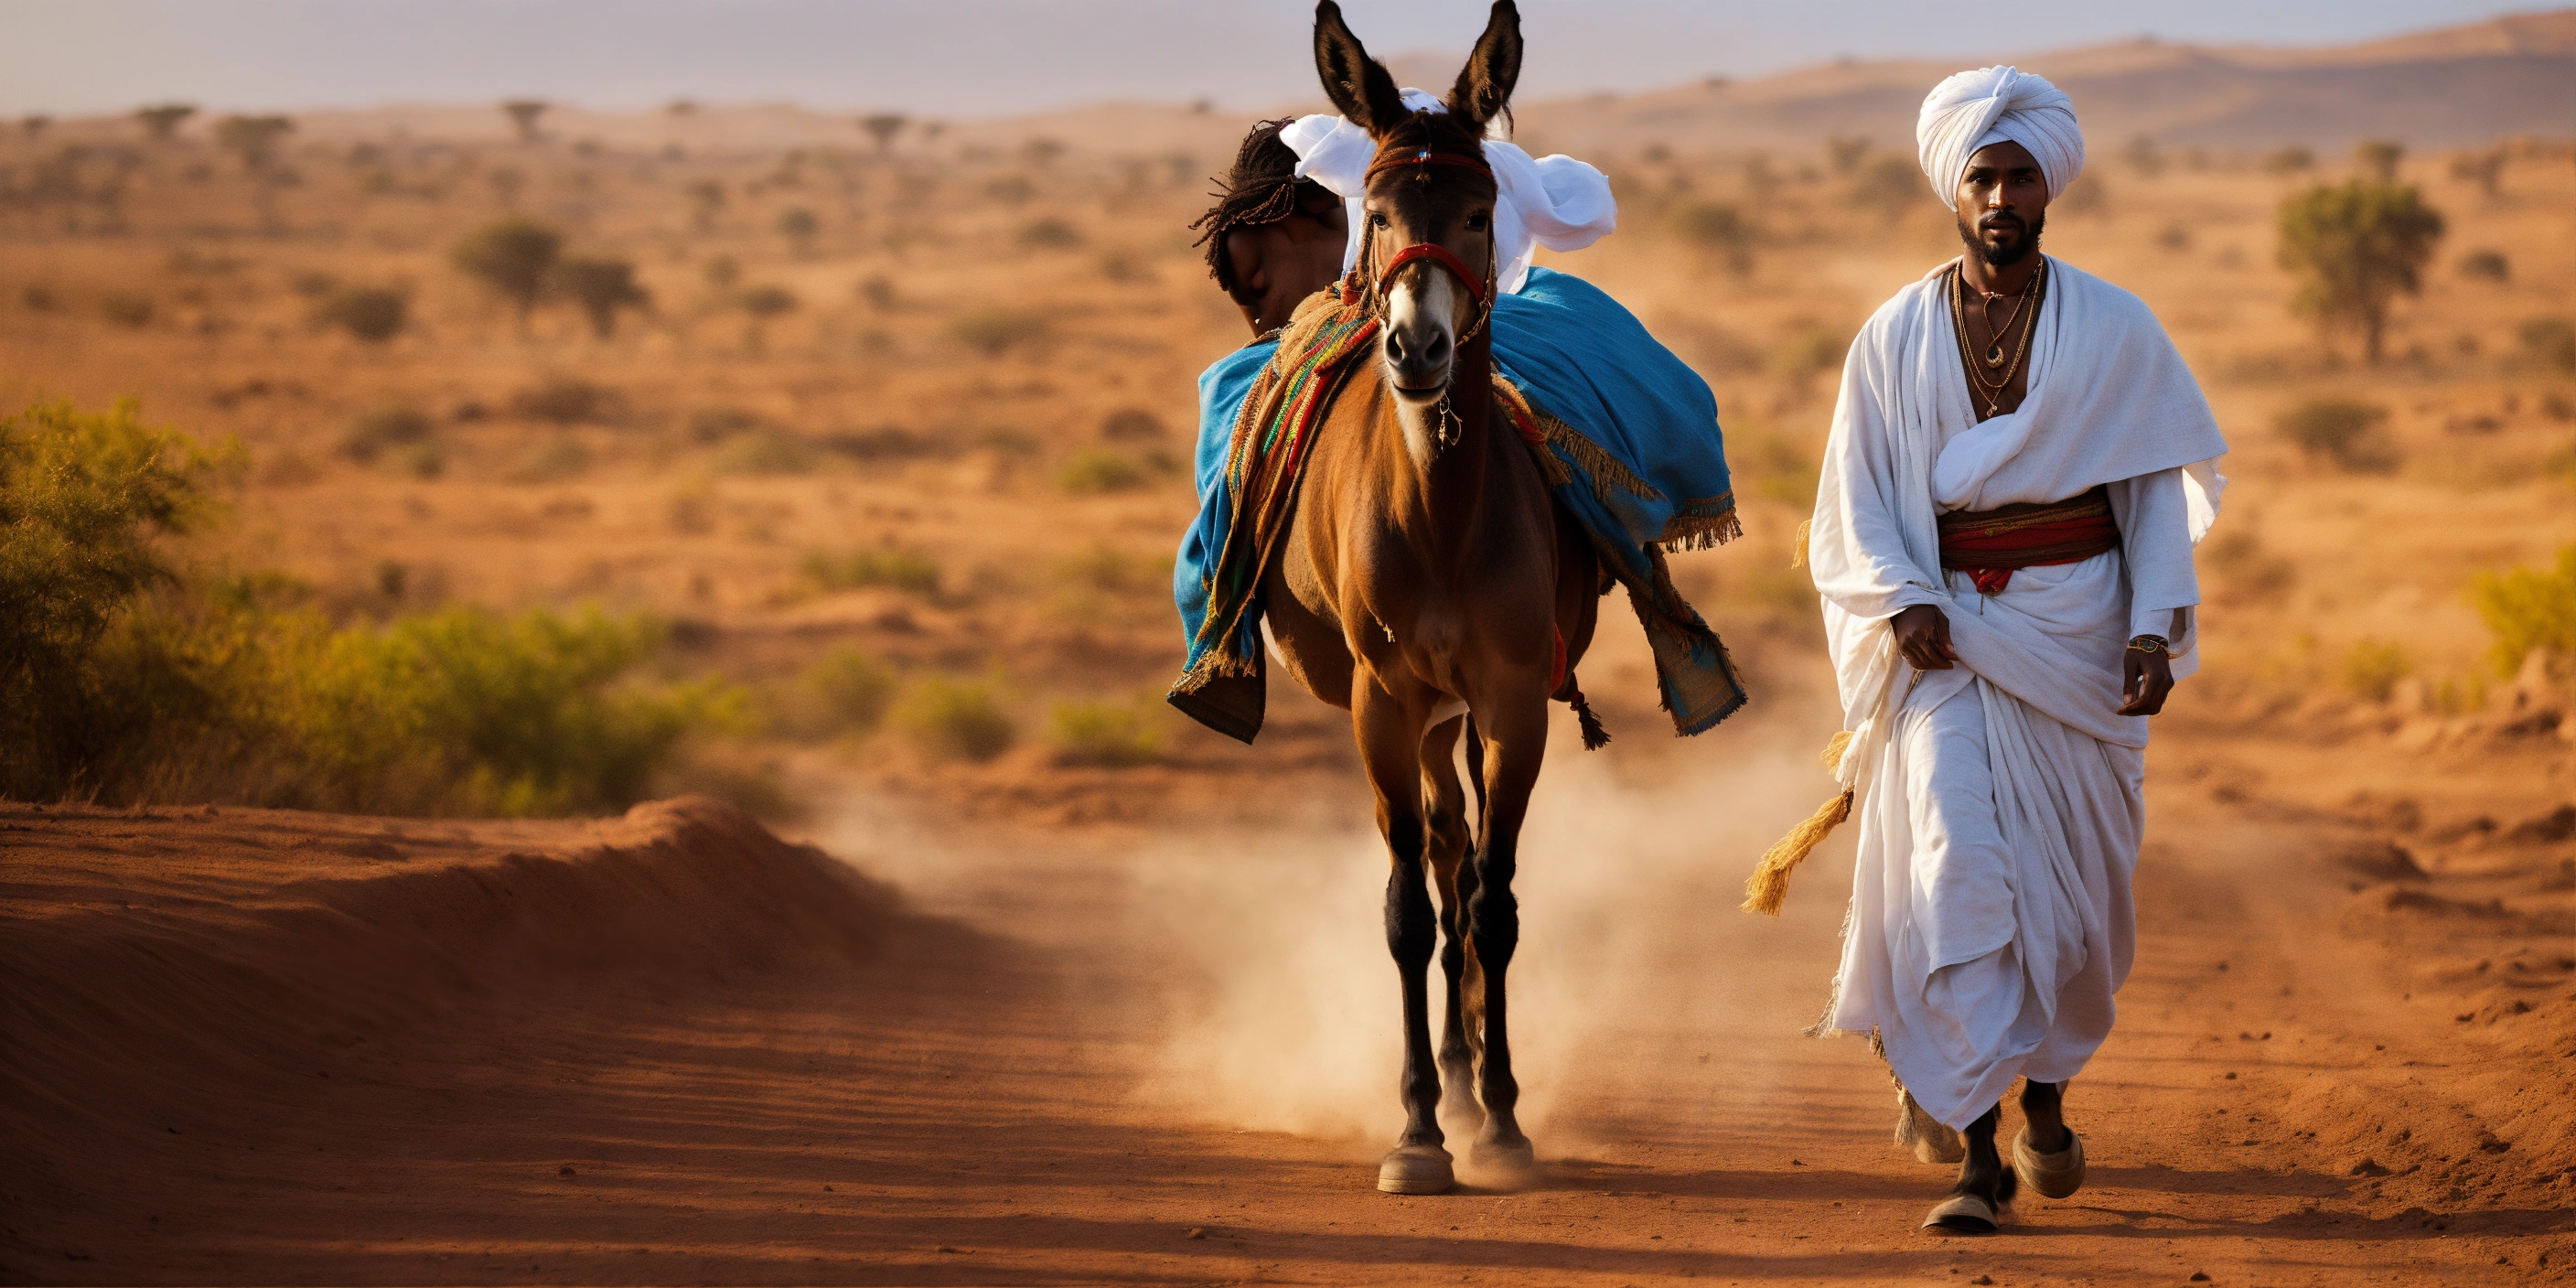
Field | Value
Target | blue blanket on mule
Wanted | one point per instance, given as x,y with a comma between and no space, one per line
1638,459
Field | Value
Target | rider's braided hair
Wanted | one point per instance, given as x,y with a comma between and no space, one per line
1262,188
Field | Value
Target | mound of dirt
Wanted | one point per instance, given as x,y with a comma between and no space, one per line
157,958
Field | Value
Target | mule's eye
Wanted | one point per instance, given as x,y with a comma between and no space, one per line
1376,220
1476,223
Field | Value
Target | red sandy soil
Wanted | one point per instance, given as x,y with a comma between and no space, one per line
251,1046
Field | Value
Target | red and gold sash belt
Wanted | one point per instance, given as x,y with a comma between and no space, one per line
1989,544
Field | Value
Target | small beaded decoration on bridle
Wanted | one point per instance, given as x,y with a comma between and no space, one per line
1480,288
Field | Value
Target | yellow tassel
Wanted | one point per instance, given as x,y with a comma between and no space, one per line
1798,552
1769,886
1834,748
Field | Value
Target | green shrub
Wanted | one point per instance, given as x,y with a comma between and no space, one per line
1107,734
601,287
2352,435
83,497
2529,610
1096,470
888,566
845,691
956,720
2372,668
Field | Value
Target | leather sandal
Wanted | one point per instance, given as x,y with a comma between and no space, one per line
2053,1175
1962,1214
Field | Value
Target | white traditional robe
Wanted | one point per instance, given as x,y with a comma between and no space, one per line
1999,801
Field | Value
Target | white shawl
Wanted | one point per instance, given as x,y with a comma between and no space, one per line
2109,400
1552,201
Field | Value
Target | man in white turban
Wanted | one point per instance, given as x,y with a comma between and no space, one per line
2019,467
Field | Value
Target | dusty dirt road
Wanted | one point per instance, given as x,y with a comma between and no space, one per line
283,1048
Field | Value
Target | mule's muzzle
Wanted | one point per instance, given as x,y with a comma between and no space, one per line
1418,359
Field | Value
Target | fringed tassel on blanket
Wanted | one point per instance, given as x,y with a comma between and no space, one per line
1768,888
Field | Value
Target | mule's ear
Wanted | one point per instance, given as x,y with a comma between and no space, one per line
1359,85
1484,86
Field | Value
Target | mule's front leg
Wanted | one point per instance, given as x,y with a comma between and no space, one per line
1446,846
1516,744
1389,737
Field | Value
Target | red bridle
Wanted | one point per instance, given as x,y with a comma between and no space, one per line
1437,254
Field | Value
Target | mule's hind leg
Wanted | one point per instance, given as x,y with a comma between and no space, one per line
1515,745
1390,738
1444,807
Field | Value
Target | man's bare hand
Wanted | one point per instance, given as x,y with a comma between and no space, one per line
1923,636
2145,679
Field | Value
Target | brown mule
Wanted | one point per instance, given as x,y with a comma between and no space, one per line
1425,577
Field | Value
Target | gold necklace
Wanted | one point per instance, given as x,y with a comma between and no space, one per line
1985,314
1991,392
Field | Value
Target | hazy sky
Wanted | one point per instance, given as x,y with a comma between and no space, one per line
986,57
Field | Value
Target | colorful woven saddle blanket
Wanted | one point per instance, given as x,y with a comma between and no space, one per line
1625,433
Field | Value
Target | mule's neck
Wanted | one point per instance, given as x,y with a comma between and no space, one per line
1446,480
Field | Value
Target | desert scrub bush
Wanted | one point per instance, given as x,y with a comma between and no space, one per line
765,451
376,432
2487,265
2530,610
514,256
888,566
2247,570
2351,435
2372,668
126,308
1112,735
993,332
2550,344
715,424
374,314
563,400
845,692
1050,234
85,499
601,288
1095,471
956,720
551,461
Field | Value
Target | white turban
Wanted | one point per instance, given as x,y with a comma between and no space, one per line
1993,105
1552,201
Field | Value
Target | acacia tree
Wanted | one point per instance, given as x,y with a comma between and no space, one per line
515,256
883,126
523,113
2355,248
162,121
601,287
2378,158
253,138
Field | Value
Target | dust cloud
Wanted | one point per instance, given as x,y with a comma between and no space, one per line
1636,984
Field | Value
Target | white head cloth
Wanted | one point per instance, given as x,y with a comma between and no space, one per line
1552,201
1993,105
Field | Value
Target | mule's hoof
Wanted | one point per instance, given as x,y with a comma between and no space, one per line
1511,1162
1415,1169
1962,1214
1930,1139
2053,1175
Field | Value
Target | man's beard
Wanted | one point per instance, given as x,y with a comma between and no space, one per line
2019,249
